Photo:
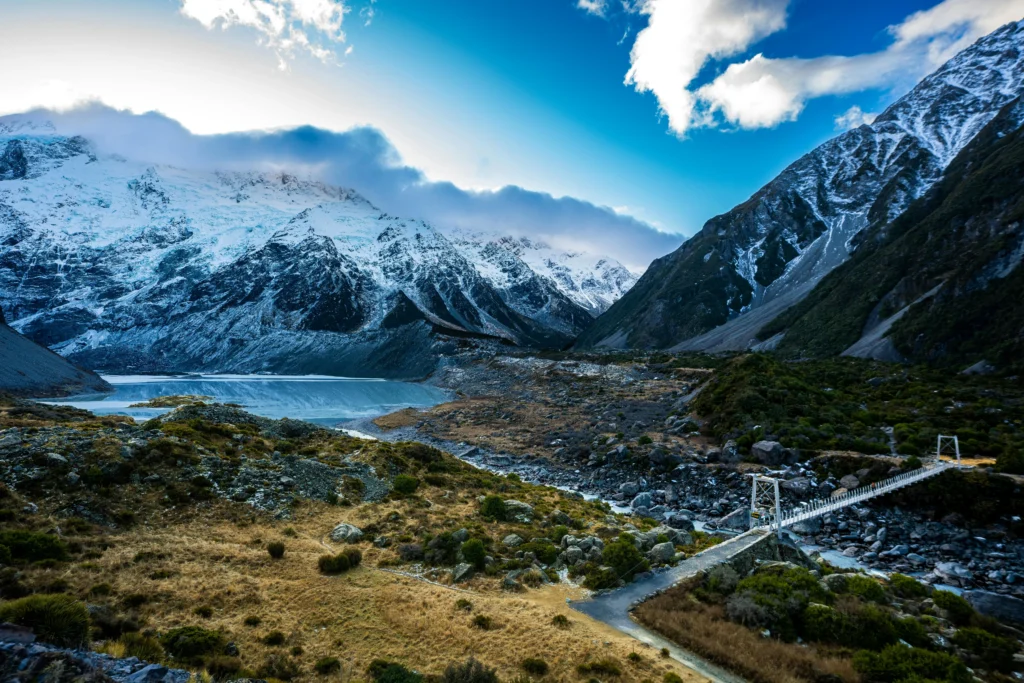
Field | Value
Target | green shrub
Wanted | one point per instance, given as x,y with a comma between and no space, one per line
865,587
405,484
278,666
988,650
471,671
355,557
274,638
276,550
383,671
252,620
600,578
333,564
482,622
5,555
634,657
474,552
624,557
560,621
907,587
493,507
960,611
146,648
546,553
58,619
203,611
327,665
297,650
101,590
558,533
30,546
599,667
535,666
824,624
912,631
223,668
898,664
672,677
191,643
463,604
644,440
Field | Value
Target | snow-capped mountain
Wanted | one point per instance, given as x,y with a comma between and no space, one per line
122,265
747,265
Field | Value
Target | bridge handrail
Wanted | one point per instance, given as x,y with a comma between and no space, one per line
820,506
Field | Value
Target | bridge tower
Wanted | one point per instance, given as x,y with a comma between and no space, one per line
765,502
947,445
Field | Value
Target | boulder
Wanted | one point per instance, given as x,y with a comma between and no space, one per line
559,517
462,572
519,511
512,541
798,486
807,527
662,552
572,555
953,573
849,482
738,519
346,533
835,582
460,536
770,453
644,500
629,488
1001,607
678,521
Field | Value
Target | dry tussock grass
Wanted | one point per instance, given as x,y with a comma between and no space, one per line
358,616
703,629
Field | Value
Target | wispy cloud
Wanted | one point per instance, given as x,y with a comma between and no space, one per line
681,38
365,160
597,7
854,117
283,25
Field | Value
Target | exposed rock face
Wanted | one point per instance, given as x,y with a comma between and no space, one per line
346,533
747,265
1002,607
28,369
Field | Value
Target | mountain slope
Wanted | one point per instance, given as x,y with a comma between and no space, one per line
942,283
127,266
28,369
771,250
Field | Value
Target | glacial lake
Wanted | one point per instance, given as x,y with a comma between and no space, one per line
314,398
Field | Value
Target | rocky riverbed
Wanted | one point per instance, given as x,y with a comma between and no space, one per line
624,433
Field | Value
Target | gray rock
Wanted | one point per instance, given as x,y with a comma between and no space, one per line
1001,607
519,511
807,527
629,488
460,536
462,572
12,439
679,522
644,500
849,482
770,453
662,552
55,460
559,517
154,673
835,582
512,541
346,533
737,519
798,486
572,555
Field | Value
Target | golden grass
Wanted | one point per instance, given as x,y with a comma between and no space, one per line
358,616
406,417
703,629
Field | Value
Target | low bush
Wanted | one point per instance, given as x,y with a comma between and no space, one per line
482,622
546,553
901,664
191,643
383,671
204,611
31,546
327,665
535,666
960,611
470,671
297,651
146,648
57,619
987,650
274,638
560,621
865,587
474,552
600,667
100,590
333,564
904,586
278,666
624,557
671,677
492,507
252,620
463,604
405,484
276,550
355,557
223,668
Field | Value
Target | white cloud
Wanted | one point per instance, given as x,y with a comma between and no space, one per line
682,37
283,25
596,7
854,117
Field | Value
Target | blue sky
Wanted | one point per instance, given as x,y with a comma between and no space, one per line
484,94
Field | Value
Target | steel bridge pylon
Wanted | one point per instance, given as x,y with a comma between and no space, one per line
947,445
765,502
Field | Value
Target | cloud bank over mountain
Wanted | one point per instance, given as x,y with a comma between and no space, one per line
365,160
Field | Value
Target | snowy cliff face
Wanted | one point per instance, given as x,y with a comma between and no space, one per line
776,246
123,266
